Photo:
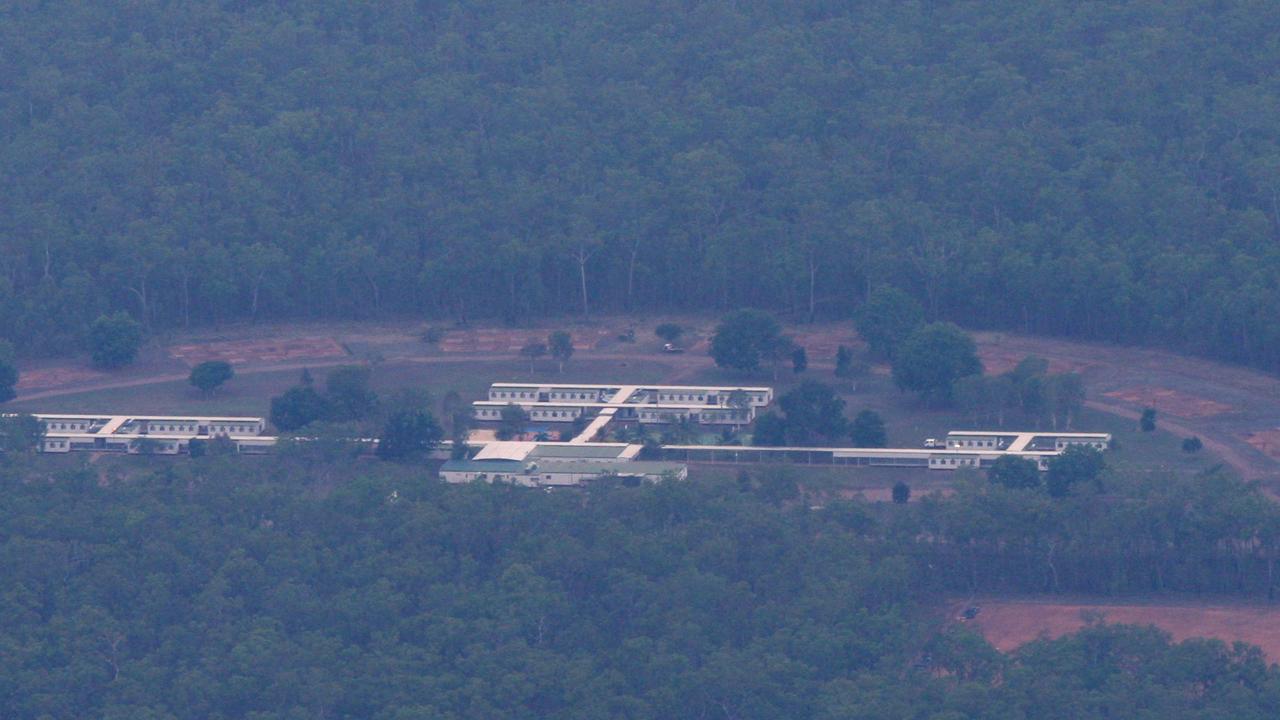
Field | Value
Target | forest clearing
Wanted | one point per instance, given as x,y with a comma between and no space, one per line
1011,623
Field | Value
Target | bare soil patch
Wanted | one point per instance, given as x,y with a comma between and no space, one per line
1008,625
1171,401
997,359
1266,441
56,377
240,352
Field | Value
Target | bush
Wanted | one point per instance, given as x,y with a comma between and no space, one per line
901,493
1192,445
209,376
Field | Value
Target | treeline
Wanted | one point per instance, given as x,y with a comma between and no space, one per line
209,589
1101,170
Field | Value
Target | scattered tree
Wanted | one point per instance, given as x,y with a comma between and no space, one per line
813,410
210,375
868,431
1192,445
1014,472
901,493
745,338
561,346
799,360
1077,464
298,407
348,395
1148,421
409,433
886,319
932,358
770,430
512,422
20,434
114,340
533,351
844,362
8,372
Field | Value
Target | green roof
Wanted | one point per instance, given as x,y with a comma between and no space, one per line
551,452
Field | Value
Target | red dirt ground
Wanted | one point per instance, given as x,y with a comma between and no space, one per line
1009,624
996,360
239,352
1171,401
56,377
1267,441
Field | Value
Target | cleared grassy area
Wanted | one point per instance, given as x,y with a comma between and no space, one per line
250,394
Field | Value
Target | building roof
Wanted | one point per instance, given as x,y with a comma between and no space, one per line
483,466
552,467
611,451
505,450
615,388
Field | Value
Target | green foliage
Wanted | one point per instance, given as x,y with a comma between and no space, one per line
114,340
813,412
1014,473
867,430
379,594
745,338
844,362
1078,464
8,381
1039,181
1192,445
901,493
799,360
770,429
211,374
298,407
409,433
887,319
533,350
8,372
669,332
20,433
932,358
1147,422
512,422
348,395
560,344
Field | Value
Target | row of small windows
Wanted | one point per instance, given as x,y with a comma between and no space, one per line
68,426
973,443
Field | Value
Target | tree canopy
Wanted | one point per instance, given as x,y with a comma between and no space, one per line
933,358
209,589
211,375
114,340
1104,171
745,338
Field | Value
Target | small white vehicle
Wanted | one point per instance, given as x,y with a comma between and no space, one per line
934,443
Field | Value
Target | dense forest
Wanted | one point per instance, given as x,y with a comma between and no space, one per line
1105,170
209,588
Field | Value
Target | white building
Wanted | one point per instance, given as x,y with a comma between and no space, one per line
557,464
160,434
707,405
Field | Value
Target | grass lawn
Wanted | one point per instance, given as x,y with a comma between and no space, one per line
251,394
